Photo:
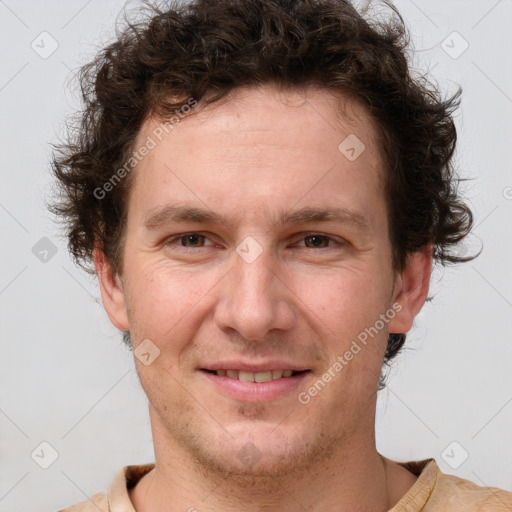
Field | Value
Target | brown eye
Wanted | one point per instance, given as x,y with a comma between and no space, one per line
317,241
192,240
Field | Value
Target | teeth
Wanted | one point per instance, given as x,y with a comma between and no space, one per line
262,376
254,377
277,374
247,376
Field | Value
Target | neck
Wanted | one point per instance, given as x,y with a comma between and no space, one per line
351,477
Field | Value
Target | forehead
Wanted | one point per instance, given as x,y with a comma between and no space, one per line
323,114
256,141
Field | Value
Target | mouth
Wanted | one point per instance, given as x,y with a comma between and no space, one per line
264,376
255,387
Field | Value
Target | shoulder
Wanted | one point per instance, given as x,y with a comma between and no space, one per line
452,491
116,497
435,491
98,502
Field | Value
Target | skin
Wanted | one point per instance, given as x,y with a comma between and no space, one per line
260,152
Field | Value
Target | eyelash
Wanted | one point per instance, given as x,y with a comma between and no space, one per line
177,238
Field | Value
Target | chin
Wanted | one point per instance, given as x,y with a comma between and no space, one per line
259,454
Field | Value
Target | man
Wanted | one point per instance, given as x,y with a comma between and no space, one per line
262,189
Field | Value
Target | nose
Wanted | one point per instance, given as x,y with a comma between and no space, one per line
255,298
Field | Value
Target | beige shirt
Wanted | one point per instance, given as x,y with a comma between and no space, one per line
433,491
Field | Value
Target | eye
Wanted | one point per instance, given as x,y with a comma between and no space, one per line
188,241
319,241
198,240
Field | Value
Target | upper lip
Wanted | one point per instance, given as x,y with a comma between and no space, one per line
255,368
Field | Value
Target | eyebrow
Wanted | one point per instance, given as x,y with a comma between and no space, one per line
180,214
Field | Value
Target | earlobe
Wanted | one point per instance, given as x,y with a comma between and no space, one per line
411,289
112,293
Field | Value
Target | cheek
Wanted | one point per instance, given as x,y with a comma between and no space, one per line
344,310
160,298
345,300
346,307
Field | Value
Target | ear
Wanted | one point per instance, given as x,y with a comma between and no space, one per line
411,289
112,293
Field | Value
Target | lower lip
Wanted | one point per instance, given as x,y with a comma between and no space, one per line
256,391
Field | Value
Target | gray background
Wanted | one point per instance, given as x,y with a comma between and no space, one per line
67,380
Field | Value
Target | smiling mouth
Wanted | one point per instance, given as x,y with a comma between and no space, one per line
264,376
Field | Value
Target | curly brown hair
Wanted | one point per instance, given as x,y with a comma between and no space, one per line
204,49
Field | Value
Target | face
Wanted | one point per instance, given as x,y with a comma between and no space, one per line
255,243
